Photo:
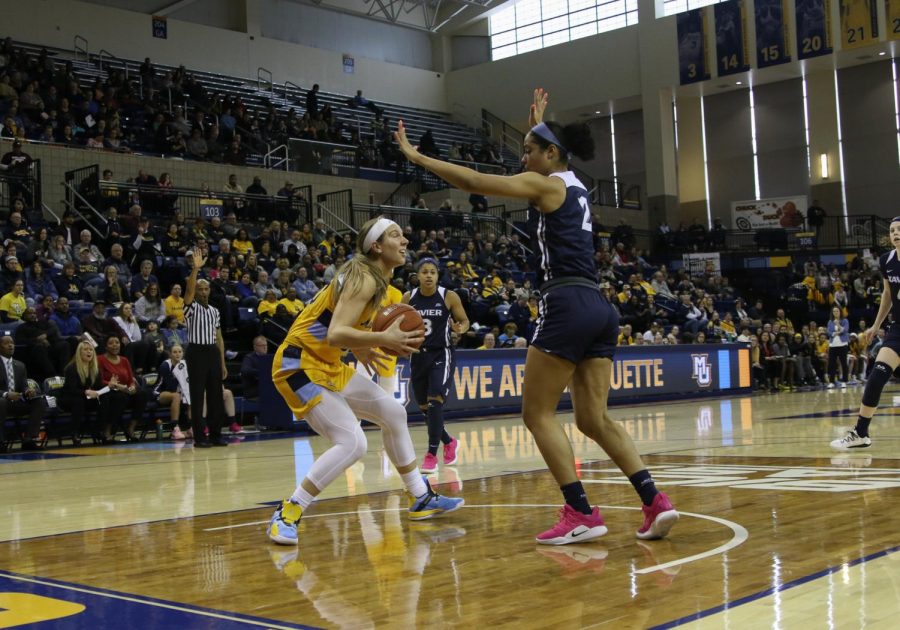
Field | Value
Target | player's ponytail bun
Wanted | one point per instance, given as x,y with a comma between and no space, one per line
576,137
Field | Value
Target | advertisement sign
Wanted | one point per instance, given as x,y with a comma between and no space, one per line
813,28
859,23
777,212
703,263
490,381
693,57
731,37
772,28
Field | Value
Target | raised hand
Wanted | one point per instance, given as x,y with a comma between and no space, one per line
403,143
536,115
199,259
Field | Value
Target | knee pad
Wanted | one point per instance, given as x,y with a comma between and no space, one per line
881,374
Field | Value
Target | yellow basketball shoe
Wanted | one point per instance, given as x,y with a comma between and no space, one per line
283,526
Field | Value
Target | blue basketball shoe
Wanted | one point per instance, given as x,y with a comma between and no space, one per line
283,526
432,504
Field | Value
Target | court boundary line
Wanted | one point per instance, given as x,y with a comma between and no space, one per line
740,535
158,603
806,579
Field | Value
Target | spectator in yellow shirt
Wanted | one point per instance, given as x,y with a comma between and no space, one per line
466,270
822,352
12,305
291,302
266,307
242,243
489,343
492,285
786,325
174,304
625,337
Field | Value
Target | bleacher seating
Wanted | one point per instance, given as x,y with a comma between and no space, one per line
257,99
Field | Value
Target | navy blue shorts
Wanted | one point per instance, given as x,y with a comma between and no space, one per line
892,338
576,323
432,373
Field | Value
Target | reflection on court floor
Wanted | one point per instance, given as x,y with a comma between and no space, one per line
777,531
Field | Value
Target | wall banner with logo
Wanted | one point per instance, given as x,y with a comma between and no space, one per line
776,212
490,381
731,37
693,56
813,28
772,28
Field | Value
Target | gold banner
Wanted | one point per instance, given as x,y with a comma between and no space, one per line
892,12
859,23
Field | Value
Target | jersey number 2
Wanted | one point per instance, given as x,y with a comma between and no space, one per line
587,215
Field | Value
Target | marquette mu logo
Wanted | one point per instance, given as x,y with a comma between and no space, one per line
702,370
401,388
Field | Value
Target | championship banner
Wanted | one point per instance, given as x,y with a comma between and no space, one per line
777,212
490,381
813,28
859,23
892,13
693,58
772,28
731,37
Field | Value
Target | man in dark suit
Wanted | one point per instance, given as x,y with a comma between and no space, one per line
16,398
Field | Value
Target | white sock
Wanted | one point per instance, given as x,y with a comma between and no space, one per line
301,497
415,483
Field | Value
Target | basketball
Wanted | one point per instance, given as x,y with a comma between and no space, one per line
386,316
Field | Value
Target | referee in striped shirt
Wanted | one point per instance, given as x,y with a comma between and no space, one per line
205,357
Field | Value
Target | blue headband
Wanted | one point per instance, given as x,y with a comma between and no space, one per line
543,131
427,261
895,219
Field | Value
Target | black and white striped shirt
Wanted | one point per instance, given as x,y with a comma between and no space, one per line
202,323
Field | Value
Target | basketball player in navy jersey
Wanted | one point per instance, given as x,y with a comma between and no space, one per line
575,337
432,366
888,357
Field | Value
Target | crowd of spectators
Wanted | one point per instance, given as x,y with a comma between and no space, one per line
173,113
126,283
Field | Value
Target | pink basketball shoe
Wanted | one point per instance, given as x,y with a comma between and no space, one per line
659,517
574,527
450,452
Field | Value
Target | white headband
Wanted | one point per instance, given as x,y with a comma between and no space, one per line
380,227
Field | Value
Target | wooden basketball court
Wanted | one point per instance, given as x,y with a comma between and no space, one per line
777,531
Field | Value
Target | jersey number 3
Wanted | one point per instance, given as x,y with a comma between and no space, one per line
427,323
587,215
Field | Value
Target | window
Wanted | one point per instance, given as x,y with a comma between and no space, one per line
671,7
534,24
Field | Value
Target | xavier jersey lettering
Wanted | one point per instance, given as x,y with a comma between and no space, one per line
564,243
436,315
890,270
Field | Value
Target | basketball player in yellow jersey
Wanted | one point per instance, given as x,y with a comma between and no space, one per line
386,368
308,373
